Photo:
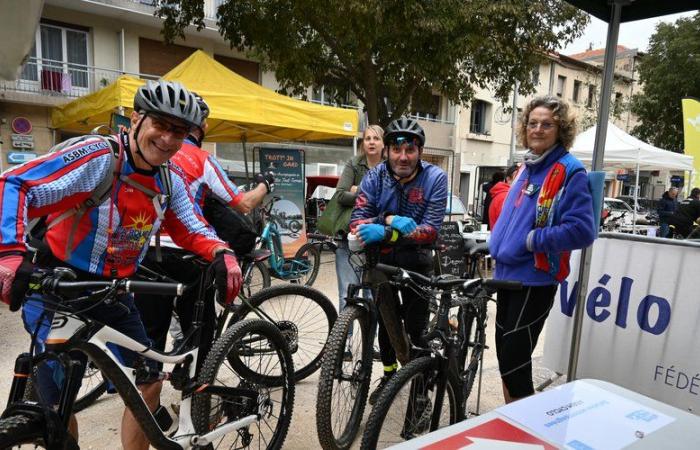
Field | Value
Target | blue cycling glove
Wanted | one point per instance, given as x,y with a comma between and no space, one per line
371,233
404,225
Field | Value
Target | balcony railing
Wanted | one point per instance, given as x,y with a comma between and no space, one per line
63,79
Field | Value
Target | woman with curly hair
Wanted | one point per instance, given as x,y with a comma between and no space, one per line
548,212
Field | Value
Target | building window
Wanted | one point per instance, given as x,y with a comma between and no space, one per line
577,91
426,107
329,96
617,106
591,95
59,58
561,85
536,76
480,120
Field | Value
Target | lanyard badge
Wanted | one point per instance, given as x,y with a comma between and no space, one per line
531,189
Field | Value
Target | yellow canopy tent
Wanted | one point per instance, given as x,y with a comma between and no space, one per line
240,109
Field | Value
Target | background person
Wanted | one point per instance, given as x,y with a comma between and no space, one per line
498,195
496,178
369,155
666,208
401,201
547,213
204,176
694,195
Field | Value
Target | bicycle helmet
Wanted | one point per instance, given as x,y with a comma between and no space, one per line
202,106
169,98
404,126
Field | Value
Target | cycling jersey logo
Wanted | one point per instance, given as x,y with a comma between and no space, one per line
415,195
131,238
361,201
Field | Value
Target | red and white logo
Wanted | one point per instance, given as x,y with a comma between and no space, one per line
491,435
415,195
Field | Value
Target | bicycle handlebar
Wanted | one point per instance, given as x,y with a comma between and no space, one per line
448,283
56,285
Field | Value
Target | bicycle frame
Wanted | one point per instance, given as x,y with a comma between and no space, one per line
270,238
70,331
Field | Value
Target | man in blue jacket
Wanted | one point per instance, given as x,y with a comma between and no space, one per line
548,212
400,206
666,209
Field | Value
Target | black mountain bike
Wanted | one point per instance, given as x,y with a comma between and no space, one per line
250,409
429,392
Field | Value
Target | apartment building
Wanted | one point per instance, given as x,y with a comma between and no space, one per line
82,46
484,127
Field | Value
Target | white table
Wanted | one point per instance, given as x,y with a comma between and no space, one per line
683,431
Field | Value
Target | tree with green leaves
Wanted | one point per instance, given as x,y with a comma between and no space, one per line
388,53
668,72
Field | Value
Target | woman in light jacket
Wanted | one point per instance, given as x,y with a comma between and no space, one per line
369,155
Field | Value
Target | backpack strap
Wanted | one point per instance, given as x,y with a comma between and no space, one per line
164,171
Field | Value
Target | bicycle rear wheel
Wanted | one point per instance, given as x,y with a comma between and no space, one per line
343,385
275,400
305,318
404,408
307,260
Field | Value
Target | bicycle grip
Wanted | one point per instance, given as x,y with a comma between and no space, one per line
502,284
154,287
390,270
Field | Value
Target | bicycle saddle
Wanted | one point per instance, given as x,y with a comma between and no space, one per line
481,248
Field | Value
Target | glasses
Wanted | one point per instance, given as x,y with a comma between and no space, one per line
404,143
164,126
545,125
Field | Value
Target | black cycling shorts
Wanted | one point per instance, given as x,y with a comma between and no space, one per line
520,317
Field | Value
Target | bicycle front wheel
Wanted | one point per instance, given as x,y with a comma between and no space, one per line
343,385
306,261
404,409
472,323
304,316
19,429
255,281
263,349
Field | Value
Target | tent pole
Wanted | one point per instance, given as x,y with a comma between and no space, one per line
245,159
513,120
636,197
596,164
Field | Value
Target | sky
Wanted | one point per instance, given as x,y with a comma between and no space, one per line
632,34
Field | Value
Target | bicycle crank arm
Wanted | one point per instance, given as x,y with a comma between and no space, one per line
209,438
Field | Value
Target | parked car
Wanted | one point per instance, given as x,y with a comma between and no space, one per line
616,214
646,209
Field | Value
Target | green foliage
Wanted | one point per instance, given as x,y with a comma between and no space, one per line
391,49
669,71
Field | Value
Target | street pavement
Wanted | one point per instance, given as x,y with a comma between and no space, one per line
100,424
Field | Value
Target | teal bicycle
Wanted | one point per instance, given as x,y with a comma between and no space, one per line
303,267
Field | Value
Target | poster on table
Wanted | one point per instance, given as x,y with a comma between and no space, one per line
586,417
641,326
288,212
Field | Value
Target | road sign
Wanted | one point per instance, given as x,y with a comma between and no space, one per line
622,177
20,157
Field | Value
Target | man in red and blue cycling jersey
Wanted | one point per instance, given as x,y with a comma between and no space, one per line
108,240
204,176
401,201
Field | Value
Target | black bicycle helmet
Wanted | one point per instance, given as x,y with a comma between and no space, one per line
202,106
404,126
169,98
